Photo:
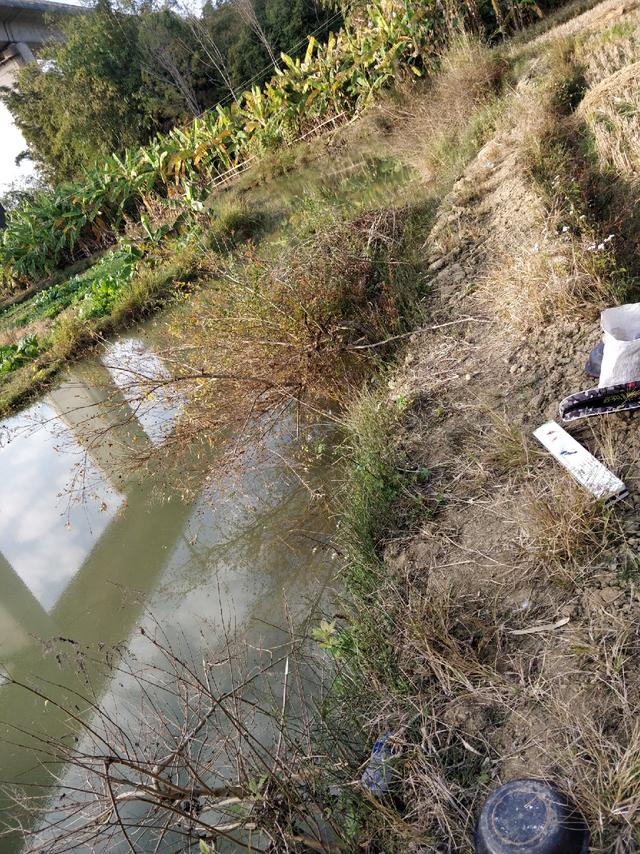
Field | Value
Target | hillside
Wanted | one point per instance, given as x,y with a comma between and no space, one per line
510,607
421,261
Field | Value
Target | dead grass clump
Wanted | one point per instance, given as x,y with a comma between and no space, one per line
563,527
450,121
441,699
598,743
506,448
447,640
605,761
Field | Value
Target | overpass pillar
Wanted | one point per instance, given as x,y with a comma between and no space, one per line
24,52
11,59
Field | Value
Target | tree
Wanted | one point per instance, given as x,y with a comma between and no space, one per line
286,25
247,12
163,39
210,48
85,98
128,69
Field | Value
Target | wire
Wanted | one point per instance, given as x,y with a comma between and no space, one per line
244,86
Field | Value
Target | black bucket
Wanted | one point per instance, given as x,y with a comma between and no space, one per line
530,817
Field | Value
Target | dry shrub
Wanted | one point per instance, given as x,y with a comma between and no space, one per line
563,526
283,325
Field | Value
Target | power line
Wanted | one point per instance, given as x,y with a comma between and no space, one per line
244,86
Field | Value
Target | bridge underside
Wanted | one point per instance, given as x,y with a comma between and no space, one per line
12,57
24,26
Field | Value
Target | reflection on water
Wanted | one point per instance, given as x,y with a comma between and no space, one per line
87,551
43,537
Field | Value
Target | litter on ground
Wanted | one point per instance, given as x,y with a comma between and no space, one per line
583,466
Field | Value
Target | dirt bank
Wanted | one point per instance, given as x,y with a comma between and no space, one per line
515,602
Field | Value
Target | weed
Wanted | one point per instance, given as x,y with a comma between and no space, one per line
563,527
508,449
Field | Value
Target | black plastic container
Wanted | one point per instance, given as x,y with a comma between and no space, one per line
594,362
530,817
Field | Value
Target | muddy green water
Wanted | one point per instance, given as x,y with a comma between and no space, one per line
89,553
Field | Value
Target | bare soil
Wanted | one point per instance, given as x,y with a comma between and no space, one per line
543,577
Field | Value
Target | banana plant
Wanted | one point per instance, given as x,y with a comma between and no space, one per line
382,38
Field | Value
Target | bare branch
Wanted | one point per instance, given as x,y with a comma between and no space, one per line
247,12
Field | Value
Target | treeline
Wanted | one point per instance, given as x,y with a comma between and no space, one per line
381,41
127,71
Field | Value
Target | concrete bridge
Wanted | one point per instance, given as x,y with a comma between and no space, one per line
24,26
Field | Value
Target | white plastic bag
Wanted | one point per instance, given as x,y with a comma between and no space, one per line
621,356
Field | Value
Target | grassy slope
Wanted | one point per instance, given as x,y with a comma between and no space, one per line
460,533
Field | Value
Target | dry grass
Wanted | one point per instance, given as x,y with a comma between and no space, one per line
563,528
611,110
598,736
446,125
506,448
471,701
547,259
577,715
609,50
555,277
480,684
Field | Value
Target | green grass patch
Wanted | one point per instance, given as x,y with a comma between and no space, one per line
97,288
122,292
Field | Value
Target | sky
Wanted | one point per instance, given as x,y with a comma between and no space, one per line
11,144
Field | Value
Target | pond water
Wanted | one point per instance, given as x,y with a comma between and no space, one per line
90,551
87,553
